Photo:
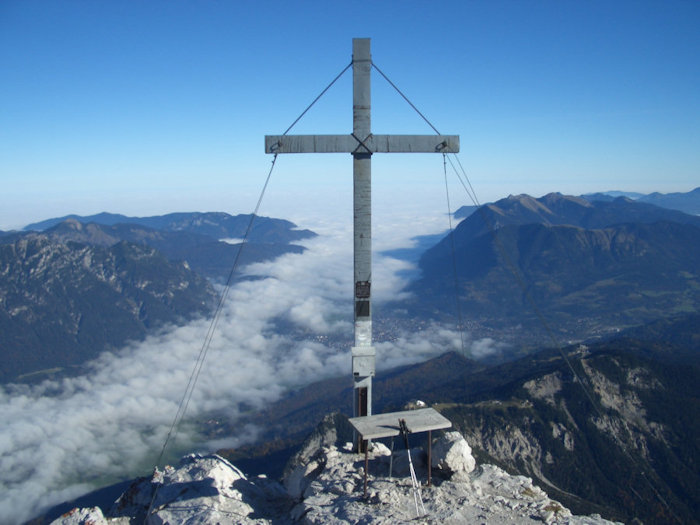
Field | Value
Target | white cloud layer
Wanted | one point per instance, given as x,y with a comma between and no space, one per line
60,439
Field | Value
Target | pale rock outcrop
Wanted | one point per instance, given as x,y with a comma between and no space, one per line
487,494
453,455
201,490
89,516
324,484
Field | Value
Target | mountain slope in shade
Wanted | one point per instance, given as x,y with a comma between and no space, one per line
629,455
625,447
63,303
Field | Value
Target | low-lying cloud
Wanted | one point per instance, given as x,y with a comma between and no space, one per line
61,438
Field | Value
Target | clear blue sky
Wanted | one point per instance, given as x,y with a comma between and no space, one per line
149,107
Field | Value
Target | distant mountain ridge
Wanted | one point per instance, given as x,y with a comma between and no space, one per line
206,255
589,267
218,225
687,202
612,195
209,242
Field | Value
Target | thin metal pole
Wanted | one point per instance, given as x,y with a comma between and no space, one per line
366,467
391,458
363,354
430,454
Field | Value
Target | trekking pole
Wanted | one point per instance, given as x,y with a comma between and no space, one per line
417,498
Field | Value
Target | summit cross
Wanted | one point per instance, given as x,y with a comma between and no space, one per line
361,143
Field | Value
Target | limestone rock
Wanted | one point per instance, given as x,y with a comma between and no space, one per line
201,489
453,455
91,516
325,485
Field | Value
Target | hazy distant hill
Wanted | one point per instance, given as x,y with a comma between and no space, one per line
588,267
217,225
687,202
612,195
64,303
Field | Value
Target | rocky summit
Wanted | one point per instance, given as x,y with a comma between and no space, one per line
324,484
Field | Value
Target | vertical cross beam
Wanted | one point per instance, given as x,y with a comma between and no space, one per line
363,354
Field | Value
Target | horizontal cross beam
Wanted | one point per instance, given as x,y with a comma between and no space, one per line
371,144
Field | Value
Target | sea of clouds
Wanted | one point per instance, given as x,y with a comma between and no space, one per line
61,439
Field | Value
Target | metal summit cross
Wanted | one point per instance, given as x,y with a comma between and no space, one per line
361,143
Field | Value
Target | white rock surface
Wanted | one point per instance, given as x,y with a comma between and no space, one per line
325,486
92,516
453,455
201,490
486,495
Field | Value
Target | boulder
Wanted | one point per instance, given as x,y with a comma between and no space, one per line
380,449
453,455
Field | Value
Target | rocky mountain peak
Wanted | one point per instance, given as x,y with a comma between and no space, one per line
527,202
556,197
324,484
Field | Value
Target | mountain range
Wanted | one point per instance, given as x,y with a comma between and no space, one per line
89,284
527,270
562,265
209,242
217,225
688,202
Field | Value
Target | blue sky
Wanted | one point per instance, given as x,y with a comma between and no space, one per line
150,107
